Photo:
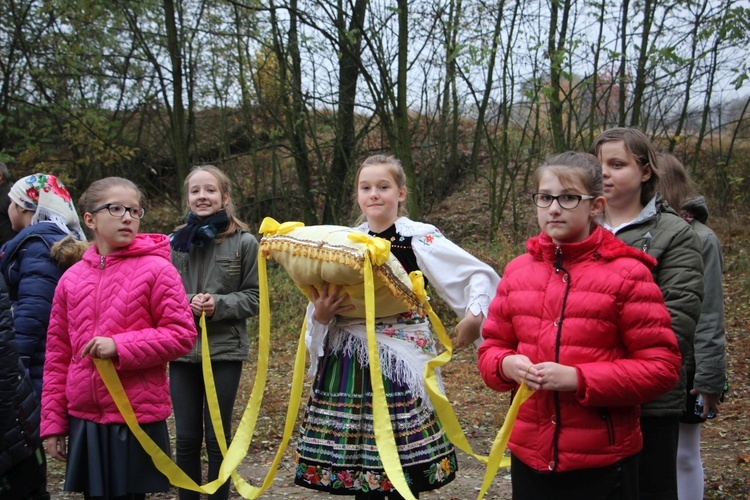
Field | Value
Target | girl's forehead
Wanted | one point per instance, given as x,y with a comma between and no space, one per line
613,148
376,173
202,177
119,193
567,178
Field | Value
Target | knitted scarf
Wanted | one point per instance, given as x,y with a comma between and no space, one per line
198,231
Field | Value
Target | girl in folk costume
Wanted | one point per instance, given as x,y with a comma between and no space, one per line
217,258
580,320
638,215
337,452
42,212
124,301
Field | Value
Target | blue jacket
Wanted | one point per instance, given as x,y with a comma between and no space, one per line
31,275
19,406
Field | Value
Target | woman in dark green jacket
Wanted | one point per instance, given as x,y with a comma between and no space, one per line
641,218
217,258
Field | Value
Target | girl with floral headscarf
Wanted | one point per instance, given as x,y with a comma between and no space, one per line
43,214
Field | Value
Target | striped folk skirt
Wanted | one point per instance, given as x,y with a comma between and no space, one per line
337,452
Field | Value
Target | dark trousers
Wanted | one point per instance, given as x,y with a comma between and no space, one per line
26,480
618,481
657,474
191,417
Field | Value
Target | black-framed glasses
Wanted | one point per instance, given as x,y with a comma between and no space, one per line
566,201
117,210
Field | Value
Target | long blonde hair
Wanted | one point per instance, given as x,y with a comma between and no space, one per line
225,188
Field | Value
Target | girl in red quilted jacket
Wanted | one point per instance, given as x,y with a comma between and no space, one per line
124,301
580,320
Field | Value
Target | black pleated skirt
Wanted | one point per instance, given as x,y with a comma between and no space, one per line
106,460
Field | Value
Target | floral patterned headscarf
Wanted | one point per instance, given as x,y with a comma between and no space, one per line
50,201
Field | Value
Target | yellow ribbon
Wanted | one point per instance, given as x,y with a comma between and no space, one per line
379,249
443,407
161,460
243,436
384,438
270,227
497,458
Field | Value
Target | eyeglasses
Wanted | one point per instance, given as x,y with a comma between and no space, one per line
566,201
117,210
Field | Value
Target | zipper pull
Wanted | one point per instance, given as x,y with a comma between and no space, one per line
101,262
646,242
558,263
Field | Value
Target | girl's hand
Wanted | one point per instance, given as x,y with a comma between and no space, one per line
328,303
519,368
711,403
468,329
203,302
557,377
56,447
100,347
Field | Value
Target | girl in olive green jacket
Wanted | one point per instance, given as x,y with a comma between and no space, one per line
641,218
217,258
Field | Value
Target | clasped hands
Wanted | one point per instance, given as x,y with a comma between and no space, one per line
547,375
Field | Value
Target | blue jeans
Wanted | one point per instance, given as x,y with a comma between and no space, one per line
191,416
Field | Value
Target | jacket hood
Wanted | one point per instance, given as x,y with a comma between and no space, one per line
697,208
600,244
68,251
45,231
143,244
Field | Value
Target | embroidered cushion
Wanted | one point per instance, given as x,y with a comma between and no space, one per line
313,255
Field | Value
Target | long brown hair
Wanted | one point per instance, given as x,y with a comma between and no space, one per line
674,184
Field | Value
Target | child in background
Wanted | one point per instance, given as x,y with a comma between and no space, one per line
123,301
42,212
23,471
578,319
640,217
337,452
217,258
706,363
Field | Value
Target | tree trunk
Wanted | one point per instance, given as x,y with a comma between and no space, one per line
350,42
623,64
401,113
177,116
640,73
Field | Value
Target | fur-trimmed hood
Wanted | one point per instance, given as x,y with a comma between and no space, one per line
68,251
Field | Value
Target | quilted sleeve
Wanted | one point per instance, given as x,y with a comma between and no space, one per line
652,362
173,332
56,364
37,278
8,361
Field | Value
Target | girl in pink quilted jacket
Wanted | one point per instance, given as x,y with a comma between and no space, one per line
124,301
580,320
